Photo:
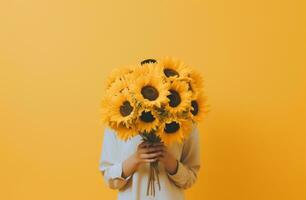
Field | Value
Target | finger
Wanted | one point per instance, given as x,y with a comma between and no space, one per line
150,160
162,156
153,149
143,144
151,155
164,148
158,144
157,148
147,150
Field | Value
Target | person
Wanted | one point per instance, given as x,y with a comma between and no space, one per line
125,166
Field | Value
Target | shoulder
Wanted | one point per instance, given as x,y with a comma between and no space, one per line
108,130
193,135
109,134
194,130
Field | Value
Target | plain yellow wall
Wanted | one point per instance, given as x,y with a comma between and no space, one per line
55,55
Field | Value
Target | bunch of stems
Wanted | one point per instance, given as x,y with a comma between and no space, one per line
152,138
153,176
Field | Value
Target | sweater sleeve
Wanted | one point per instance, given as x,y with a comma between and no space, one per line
110,164
189,164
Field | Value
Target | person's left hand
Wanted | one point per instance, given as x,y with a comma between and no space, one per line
168,160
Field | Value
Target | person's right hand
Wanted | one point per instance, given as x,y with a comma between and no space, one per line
145,153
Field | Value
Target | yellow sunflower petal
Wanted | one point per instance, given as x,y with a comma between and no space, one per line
151,69
147,121
173,68
198,108
196,83
119,109
149,90
174,130
118,73
179,97
118,86
125,133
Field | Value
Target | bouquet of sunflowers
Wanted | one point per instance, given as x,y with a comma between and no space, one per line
156,99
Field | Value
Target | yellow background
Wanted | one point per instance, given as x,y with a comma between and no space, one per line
55,55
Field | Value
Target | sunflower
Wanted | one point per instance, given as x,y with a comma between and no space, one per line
173,68
179,97
120,110
195,83
118,73
118,86
174,130
198,108
147,120
149,89
124,132
147,68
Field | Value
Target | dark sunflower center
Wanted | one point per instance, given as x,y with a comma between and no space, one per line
172,127
126,109
175,98
147,116
146,61
149,92
195,107
170,72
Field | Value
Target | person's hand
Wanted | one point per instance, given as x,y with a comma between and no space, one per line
168,160
145,153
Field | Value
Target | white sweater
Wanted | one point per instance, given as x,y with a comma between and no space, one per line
115,151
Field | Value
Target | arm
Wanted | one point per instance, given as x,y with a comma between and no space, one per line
117,173
184,172
110,164
144,154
